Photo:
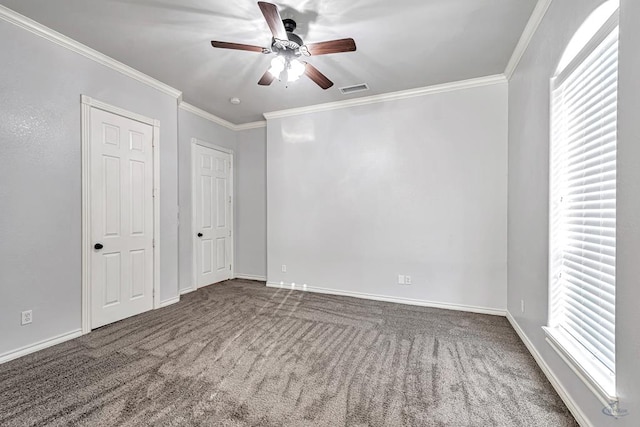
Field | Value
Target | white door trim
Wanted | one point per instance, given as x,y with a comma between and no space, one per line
86,104
194,142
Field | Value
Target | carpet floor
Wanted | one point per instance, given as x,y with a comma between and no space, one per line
241,354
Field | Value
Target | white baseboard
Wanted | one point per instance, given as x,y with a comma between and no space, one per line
575,410
385,298
186,291
170,301
40,345
251,277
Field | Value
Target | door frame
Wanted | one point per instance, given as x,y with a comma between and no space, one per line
86,104
194,270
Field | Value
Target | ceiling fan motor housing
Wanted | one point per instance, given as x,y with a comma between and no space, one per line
289,25
288,47
295,38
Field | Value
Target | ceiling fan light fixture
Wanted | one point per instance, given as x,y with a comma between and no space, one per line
277,66
288,46
295,71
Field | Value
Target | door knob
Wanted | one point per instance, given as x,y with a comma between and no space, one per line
98,246
199,234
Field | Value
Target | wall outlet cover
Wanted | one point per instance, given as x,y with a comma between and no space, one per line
27,317
407,280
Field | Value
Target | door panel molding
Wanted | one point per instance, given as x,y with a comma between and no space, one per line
86,104
195,142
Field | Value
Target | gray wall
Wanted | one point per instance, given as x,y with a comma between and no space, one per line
40,187
529,193
193,126
249,148
40,181
251,203
416,186
628,215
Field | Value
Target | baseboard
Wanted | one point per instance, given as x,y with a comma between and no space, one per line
170,301
251,277
575,410
186,291
40,345
385,298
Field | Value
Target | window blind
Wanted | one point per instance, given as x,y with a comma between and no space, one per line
583,198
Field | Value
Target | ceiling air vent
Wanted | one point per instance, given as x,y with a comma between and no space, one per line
355,88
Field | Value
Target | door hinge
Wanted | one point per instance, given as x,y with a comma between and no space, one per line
229,199
153,243
229,233
229,266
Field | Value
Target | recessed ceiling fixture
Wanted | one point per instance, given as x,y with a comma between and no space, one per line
234,100
288,48
355,88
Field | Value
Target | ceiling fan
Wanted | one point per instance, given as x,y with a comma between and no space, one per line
289,48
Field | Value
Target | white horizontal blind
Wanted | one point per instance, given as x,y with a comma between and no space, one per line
583,198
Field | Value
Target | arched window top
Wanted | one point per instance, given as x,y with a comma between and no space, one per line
587,31
582,202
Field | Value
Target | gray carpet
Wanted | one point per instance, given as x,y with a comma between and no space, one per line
241,354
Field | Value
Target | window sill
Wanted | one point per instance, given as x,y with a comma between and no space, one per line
594,375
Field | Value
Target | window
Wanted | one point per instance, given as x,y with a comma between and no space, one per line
582,252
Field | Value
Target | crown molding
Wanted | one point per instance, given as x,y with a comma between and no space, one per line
527,35
391,96
38,29
206,115
251,125
219,121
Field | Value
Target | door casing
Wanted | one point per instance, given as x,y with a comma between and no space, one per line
86,104
194,272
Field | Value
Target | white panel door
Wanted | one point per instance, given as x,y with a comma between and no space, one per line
121,217
212,219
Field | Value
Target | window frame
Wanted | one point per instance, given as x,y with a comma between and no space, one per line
593,372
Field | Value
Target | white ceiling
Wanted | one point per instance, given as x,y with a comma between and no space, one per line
402,44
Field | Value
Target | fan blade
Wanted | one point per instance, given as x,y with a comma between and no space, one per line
237,46
315,75
274,21
266,79
333,46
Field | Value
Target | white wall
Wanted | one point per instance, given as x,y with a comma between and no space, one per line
251,203
193,126
416,186
528,201
40,180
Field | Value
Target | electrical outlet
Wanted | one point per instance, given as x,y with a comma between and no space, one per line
27,317
522,305
400,279
407,280
284,268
